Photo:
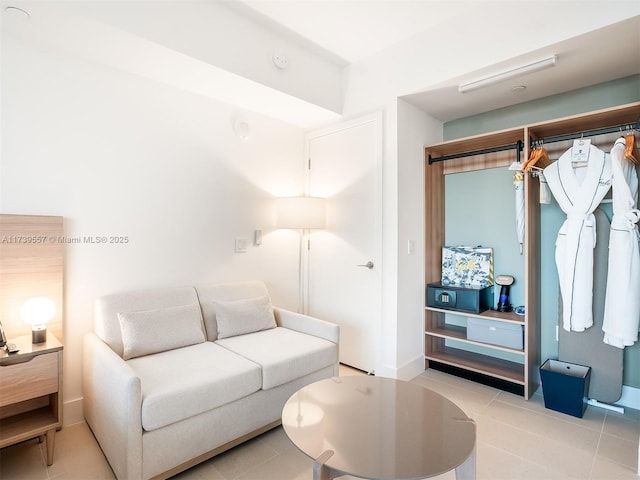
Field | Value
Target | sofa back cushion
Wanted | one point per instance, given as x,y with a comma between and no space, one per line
154,331
210,295
239,317
107,324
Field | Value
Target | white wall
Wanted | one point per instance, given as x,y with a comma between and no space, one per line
117,154
416,129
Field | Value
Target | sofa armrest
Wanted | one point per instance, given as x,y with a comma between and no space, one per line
112,405
306,324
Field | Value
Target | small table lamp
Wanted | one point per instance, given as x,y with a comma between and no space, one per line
37,312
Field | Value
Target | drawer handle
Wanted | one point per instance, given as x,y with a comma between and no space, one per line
17,361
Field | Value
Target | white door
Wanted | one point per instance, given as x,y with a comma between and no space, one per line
345,168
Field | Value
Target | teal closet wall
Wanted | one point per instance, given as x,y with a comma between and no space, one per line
605,95
480,210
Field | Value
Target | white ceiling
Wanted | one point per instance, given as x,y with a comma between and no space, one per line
352,30
599,56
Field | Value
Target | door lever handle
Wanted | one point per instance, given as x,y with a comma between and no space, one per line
368,265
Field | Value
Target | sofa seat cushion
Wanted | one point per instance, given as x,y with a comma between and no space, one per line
184,382
284,354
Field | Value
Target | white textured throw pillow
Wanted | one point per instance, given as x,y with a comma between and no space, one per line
153,331
239,317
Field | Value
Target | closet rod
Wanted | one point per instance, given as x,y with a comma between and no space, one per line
517,146
587,133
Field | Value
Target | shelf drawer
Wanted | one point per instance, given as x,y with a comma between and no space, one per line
496,333
27,380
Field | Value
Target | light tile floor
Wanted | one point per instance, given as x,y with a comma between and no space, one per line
517,440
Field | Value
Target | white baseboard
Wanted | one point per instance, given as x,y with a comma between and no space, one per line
411,369
406,372
72,412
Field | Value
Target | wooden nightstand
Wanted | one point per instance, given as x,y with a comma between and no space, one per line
31,392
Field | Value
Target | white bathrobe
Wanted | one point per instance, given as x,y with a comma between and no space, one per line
578,192
622,301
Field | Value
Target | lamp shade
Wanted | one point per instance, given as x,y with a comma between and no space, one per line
301,212
37,311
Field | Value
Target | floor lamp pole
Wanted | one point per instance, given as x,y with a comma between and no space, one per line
301,306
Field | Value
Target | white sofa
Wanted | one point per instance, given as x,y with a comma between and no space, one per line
174,376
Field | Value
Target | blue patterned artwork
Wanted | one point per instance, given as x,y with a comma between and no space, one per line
467,266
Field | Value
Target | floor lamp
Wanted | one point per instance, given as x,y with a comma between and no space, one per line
304,214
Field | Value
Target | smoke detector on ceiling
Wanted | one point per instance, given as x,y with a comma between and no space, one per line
280,60
241,129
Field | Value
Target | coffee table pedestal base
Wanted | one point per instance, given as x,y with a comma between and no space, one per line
321,471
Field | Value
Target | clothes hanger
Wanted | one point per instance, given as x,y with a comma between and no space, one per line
538,160
533,158
630,149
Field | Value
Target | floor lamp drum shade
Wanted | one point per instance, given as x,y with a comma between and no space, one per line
301,212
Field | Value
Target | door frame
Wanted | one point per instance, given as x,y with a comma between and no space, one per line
377,119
